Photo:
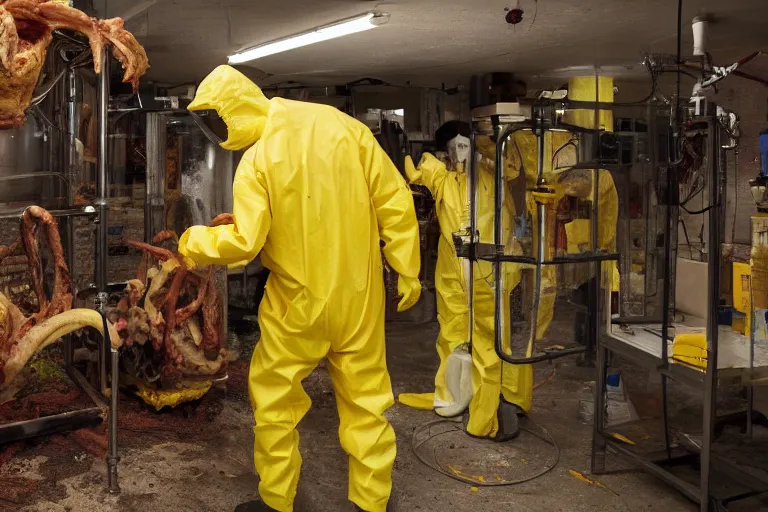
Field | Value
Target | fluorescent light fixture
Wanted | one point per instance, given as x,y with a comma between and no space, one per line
317,35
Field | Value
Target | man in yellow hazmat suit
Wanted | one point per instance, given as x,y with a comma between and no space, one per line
499,390
316,195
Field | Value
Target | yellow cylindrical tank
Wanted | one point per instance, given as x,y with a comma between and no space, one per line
582,88
592,88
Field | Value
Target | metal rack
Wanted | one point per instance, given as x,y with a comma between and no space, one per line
501,122
648,344
99,212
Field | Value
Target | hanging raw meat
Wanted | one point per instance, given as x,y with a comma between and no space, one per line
26,28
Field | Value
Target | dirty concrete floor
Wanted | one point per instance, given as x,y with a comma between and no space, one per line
201,458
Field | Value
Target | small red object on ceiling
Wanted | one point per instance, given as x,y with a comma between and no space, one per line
514,16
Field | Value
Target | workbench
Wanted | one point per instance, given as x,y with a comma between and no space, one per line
642,344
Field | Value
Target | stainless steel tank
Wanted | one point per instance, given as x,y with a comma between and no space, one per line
189,180
21,165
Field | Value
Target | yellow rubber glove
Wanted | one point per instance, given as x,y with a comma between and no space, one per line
411,172
409,289
189,262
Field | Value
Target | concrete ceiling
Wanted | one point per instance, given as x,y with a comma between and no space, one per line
428,42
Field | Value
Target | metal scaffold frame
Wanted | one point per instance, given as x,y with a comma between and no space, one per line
659,358
501,128
108,385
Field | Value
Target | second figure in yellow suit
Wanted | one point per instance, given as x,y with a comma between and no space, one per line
500,390
316,195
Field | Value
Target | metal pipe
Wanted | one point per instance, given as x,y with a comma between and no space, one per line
81,381
500,134
113,458
541,214
102,205
102,284
70,39
750,386
688,490
47,425
671,198
43,91
71,161
671,215
596,266
31,175
88,211
713,271
473,238
598,422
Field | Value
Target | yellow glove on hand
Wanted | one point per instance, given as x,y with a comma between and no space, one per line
189,263
409,289
410,170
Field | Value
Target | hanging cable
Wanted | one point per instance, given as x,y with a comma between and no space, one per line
654,86
544,435
699,212
687,239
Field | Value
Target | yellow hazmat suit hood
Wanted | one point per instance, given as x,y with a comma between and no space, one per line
238,101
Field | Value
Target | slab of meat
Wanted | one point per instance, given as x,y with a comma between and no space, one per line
20,336
169,318
26,28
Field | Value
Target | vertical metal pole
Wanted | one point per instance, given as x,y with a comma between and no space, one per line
102,204
541,214
472,169
593,339
625,283
750,387
595,266
498,231
71,163
713,270
113,458
595,176
598,440
671,215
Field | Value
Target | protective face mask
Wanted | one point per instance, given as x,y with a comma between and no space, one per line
458,151
211,124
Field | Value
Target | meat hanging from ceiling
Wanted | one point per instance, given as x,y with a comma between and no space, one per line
169,318
26,30
22,336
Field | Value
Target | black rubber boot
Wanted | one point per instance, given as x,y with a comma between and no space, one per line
390,506
509,422
254,506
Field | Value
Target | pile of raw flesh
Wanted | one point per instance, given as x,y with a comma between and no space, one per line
21,336
26,30
169,318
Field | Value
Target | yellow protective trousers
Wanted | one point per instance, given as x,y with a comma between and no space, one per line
357,365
